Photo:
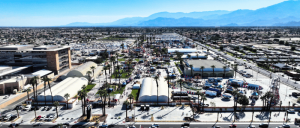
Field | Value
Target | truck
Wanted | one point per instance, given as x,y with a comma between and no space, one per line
216,90
211,93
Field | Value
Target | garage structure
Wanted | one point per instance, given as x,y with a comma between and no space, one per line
148,91
69,85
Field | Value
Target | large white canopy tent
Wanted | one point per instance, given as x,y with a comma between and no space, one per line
148,91
69,85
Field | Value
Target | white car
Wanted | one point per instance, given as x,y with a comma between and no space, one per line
7,117
42,118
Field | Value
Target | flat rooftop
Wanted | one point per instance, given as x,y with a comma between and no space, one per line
205,63
16,47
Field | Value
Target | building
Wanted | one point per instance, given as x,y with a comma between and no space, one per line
182,50
69,85
51,57
148,91
208,70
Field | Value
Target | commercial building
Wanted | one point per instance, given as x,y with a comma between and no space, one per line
208,71
182,50
51,57
148,91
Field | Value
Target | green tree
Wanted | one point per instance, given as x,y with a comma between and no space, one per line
156,78
198,94
131,97
213,67
89,75
56,104
93,69
180,82
224,68
202,68
28,90
44,79
67,95
126,103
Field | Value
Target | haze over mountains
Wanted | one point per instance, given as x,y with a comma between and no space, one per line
282,14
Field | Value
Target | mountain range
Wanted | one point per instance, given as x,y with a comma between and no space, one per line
282,14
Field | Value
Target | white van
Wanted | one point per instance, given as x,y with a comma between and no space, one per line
27,108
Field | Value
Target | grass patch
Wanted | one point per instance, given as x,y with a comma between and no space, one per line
121,59
117,91
137,60
178,68
87,89
124,74
135,93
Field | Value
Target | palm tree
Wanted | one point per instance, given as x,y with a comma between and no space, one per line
126,103
235,70
89,75
67,95
131,97
105,68
49,86
79,94
108,66
44,79
235,94
203,99
202,68
33,87
191,70
84,95
56,104
104,94
156,78
168,79
36,79
198,93
224,68
93,69
213,67
180,82
189,56
28,90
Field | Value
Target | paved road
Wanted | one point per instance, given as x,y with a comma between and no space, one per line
174,125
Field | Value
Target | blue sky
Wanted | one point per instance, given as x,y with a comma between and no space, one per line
61,12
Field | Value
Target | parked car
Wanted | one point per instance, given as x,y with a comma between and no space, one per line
6,97
7,117
42,118
27,108
232,126
263,125
291,111
286,126
18,107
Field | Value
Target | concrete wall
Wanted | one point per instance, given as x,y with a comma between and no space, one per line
53,61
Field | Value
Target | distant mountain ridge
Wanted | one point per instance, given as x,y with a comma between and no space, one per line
282,14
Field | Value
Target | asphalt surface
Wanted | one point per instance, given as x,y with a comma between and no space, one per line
208,125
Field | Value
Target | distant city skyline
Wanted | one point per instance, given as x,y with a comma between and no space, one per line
61,12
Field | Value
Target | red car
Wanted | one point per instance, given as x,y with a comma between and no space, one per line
39,117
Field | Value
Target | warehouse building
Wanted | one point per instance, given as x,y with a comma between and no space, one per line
148,91
69,85
208,71
182,50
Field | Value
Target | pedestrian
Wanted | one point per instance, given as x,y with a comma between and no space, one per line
221,115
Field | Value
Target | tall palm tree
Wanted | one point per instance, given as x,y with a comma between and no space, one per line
202,68
44,79
168,79
126,103
213,67
33,87
235,95
203,99
191,70
156,78
36,84
93,69
84,95
28,90
235,70
180,82
49,86
89,75
104,95
67,95
224,68
131,97
105,68
56,104
109,66
198,94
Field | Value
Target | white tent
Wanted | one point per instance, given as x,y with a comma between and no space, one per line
148,91
69,85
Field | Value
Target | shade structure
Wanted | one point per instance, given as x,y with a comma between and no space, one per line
254,94
82,70
148,91
69,85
